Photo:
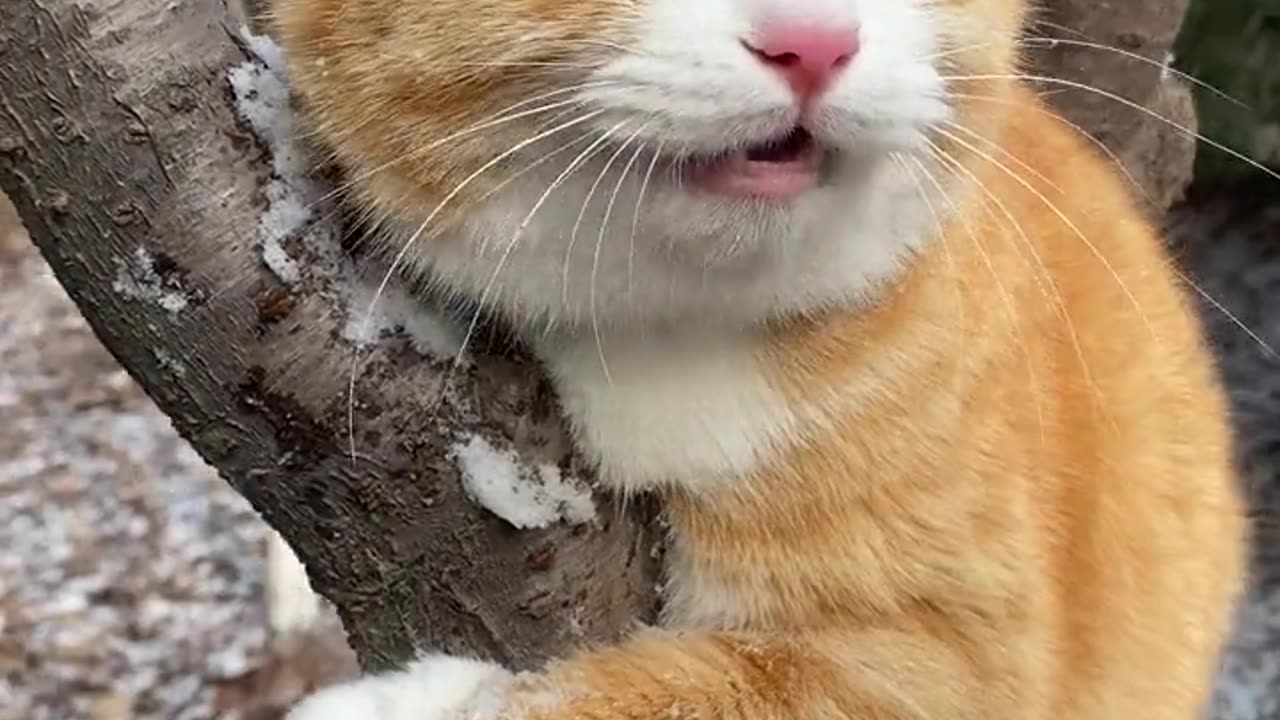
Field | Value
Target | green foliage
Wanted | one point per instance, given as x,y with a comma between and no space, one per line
1234,45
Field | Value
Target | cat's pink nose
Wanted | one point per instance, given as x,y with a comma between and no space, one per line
807,56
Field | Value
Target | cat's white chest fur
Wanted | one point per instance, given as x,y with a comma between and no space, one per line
658,409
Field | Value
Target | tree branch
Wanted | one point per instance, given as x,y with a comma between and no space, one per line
168,212
1158,154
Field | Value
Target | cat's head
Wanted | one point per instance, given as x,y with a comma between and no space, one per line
620,160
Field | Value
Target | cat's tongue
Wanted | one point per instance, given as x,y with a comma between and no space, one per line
779,170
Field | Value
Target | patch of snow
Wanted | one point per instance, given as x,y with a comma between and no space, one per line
271,54
429,333
139,280
261,90
279,261
168,362
523,496
295,203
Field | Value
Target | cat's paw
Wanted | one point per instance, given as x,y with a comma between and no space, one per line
437,687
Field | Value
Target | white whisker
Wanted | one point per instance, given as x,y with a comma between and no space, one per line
635,219
1102,147
488,122
1052,290
1129,104
404,251
1124,287
1052,41
484,244
524,225
595,259
1005,296
1014,158
577,225
1266,348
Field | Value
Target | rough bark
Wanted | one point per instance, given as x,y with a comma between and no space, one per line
144,190
1158,154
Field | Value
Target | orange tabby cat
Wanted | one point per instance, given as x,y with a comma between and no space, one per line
931,416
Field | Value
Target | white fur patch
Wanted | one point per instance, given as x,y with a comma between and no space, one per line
697,598
692,410
433,688
694,76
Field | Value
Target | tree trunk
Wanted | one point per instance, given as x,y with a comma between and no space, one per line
1157,146
135,143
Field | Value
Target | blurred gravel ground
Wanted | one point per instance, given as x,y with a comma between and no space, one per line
131,577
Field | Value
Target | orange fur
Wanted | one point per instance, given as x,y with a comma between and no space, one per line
1025,506
952,550
384,100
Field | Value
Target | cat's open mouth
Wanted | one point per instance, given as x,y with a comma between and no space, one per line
781,168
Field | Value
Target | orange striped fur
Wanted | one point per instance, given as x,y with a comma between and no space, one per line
991,481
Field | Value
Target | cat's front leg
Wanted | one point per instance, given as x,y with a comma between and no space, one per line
901,672
436,687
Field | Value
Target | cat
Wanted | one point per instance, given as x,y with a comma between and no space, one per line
930,414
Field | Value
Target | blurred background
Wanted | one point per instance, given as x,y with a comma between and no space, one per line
132,579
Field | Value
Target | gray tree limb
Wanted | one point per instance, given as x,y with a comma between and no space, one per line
1156,147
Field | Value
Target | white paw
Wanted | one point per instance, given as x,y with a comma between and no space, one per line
437,687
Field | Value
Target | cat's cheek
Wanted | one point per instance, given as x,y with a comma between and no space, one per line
436,687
